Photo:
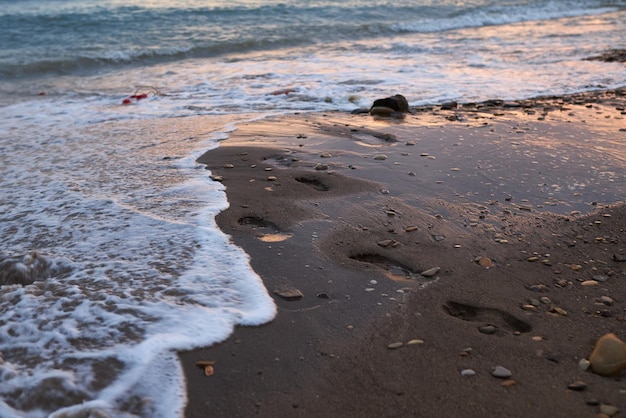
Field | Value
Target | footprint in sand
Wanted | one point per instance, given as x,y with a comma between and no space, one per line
314,183
484,315
266,231
394,270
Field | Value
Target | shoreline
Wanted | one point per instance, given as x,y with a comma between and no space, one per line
515,203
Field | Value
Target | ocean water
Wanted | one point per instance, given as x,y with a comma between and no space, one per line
110,259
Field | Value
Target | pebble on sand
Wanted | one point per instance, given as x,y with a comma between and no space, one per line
609,355
468,373
430,272
289,293
484,262
395,345
584,364
501,372
609,410
578,386
487,329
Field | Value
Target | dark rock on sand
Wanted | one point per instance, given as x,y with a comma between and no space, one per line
397,103
449,106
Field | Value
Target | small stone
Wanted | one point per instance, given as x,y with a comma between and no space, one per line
545,300
487,329
600,278
415,342
606,300
537,338
589,283
468,373
430,272
529,307
578,386
395,345
532,259
584,364
229,166
485,262
558,310
410,228
501,372
272,178
609,410
325,155
380,157
508,383
538,288
562,283
321,167
608,356
203,363
289,293
386,243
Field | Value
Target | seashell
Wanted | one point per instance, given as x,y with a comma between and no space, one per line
208,371
608,356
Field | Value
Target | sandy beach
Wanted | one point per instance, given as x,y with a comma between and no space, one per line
409,257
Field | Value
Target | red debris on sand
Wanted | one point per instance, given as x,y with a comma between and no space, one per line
126,101
42,93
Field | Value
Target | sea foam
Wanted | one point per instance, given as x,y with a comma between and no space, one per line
111,263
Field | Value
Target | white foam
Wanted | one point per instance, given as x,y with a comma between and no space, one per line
136,268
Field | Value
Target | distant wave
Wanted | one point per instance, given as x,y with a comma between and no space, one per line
72,39
502,15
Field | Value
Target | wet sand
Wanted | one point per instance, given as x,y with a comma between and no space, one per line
507,209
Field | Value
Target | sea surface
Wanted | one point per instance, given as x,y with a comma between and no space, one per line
110,259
